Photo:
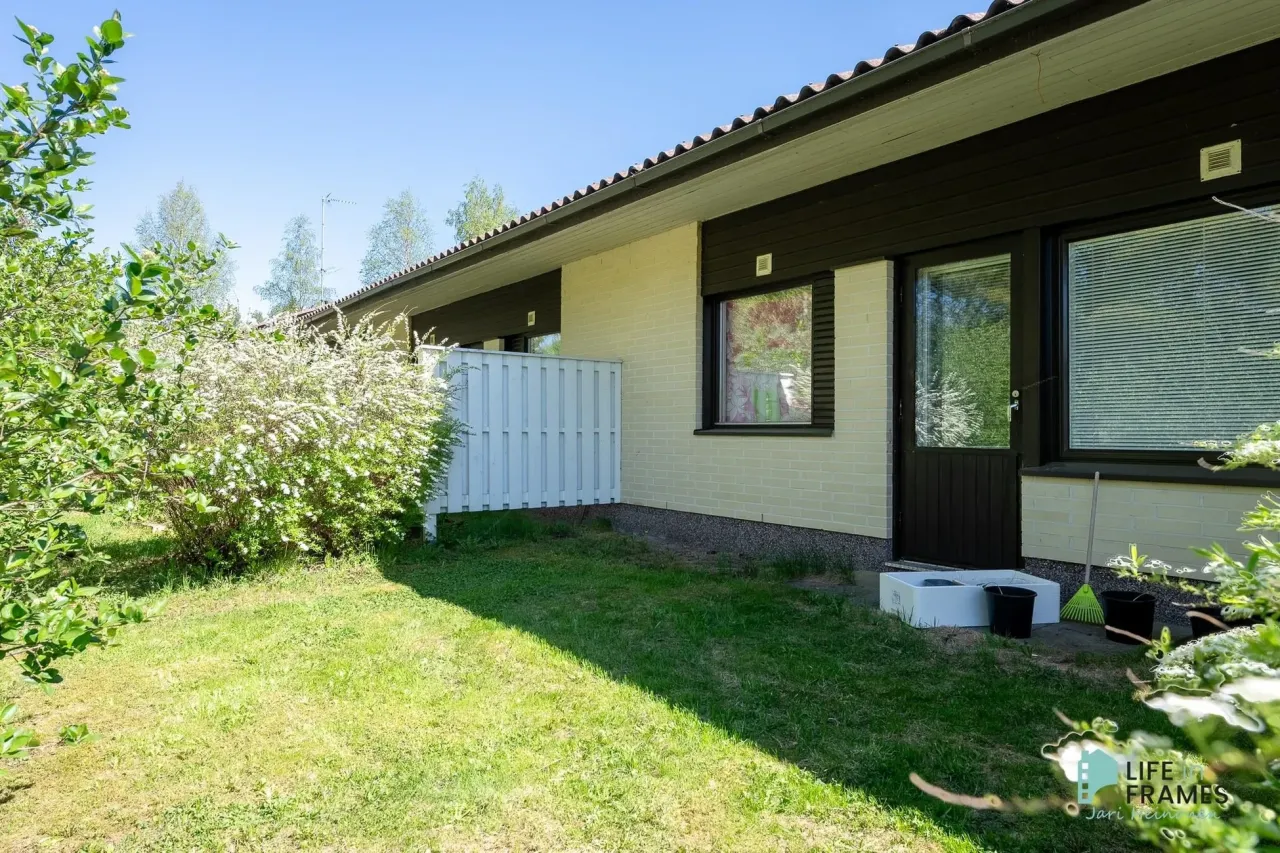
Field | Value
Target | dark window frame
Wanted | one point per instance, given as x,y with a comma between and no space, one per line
520,342
822,420
1059,422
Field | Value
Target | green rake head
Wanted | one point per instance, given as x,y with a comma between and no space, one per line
1083,607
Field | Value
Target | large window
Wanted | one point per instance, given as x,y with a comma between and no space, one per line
1166,333
766,357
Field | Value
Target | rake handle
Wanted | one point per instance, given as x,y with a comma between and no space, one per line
1093,519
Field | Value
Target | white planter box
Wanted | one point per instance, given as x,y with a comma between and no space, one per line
905,595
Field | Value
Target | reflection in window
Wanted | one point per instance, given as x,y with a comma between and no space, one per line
767,358
545,344
962,354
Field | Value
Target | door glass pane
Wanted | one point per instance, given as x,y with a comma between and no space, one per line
962,354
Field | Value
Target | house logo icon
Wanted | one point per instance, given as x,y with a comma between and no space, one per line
1095,770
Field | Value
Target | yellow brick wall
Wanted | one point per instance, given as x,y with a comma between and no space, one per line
640,303
1165,520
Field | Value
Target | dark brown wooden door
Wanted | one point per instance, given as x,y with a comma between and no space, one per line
957,471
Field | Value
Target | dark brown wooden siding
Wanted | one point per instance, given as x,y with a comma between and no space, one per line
959,509
496,314
1127,150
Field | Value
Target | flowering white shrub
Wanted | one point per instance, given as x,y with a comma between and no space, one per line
307,441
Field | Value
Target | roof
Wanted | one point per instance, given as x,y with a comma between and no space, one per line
867,66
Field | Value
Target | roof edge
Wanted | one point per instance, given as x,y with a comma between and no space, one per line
1016,17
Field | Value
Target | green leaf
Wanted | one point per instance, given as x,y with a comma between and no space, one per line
112,32
76,733
53,376
61,493
29,31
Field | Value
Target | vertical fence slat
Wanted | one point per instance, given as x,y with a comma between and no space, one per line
493,430
477,380
615,469
597,406
517,406
454,486
571,409
533,434
554,390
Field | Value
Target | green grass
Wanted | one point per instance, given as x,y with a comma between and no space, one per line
535,688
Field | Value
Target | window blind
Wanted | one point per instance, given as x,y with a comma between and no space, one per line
1167,333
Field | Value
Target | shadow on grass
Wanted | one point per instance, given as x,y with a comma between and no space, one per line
140,558
841,690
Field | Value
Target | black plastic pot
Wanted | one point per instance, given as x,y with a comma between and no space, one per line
1011,609
1203,627
1132,612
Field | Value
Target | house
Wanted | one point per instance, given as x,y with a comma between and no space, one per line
908,311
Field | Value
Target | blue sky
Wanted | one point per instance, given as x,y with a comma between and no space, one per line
267,106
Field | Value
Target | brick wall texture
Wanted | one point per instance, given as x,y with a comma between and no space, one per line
1165,520
640,303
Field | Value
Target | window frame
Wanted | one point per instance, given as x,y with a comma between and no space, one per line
519,342
822,348
1058,264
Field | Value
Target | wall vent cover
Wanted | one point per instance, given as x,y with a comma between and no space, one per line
533,317
764,264
1220,161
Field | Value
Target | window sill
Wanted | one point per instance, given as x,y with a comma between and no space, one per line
1186,472
795,431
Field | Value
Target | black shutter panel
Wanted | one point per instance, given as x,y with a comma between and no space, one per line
824,352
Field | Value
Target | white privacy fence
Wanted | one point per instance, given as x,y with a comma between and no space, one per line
538,431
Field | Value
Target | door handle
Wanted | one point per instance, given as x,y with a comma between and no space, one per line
1015,404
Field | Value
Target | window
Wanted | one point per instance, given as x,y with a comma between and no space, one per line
767,358
1166,333
548,344
544,344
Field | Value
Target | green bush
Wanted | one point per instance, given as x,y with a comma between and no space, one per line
303,441
83,394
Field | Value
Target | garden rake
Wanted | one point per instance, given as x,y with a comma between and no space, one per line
1084,606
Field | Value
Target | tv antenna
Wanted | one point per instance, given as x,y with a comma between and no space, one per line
325,201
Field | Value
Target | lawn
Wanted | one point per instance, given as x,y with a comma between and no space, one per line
536,688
